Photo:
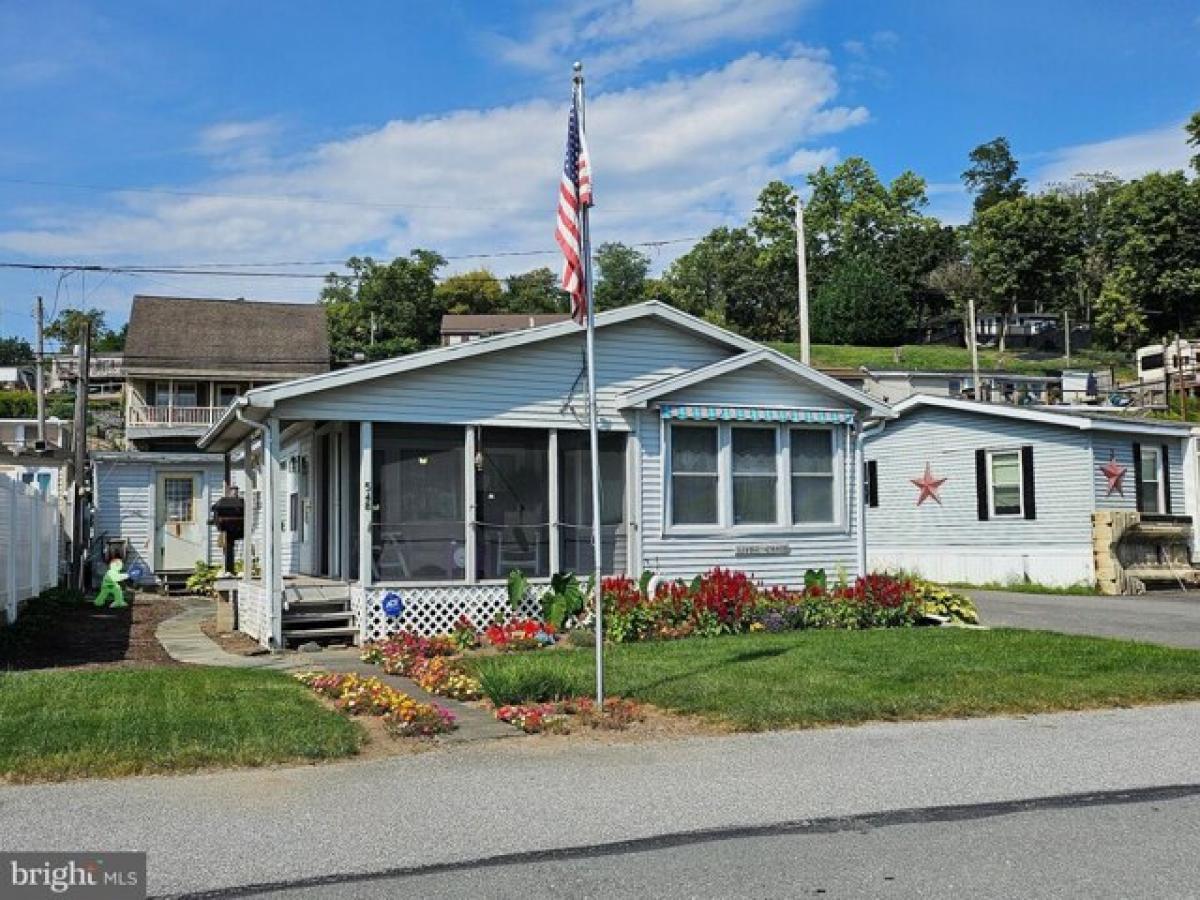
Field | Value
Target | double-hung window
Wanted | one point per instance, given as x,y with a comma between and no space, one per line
752,476
812,473
694,475
1149,482
1004,471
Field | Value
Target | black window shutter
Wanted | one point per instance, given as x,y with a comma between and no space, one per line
1166,478
1027,490
981,485
1137,474
872,483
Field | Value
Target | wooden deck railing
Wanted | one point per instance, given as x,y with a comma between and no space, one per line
140,415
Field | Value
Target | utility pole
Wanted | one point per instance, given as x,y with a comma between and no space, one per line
79,516
802,281
41,390
1067,334
971,342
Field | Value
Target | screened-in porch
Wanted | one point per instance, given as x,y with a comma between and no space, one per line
472,504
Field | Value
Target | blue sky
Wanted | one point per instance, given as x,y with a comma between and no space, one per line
299,131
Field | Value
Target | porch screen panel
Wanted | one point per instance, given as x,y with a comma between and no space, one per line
512,502
418,529
575,503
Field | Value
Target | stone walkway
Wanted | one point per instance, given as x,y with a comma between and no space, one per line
183,640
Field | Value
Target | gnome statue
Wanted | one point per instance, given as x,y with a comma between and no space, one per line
110,587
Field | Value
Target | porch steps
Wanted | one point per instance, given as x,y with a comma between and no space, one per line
318,612
173,583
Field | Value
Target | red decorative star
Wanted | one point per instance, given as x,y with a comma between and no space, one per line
1115,473
929,486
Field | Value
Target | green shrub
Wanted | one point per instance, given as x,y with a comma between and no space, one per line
203,579
18,404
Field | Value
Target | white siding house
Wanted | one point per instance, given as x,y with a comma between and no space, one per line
432,476
1011,490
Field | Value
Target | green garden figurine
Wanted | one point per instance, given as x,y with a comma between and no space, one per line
110,587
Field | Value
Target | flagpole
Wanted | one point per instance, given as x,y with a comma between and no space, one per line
585,257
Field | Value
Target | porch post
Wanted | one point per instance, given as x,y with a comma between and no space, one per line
552,469
272,578
248,516
366,502
471,538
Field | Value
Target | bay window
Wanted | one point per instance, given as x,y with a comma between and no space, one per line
753,476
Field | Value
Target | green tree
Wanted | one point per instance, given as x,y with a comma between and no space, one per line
992,175
477,292
1193,132
857,305
68,326
112,341
536,291
15,351
620,275
1023,250
1151,236
719,279
382,310
852,211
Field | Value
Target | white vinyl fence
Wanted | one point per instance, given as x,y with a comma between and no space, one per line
30,530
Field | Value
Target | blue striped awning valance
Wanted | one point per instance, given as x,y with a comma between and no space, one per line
756,414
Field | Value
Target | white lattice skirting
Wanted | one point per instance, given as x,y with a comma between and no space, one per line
252,612
433,609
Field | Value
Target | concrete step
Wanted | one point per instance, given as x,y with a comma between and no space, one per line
295,618
347,633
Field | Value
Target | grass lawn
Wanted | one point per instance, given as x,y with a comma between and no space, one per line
944,358
73,724
809,678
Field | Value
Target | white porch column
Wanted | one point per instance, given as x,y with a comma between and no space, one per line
35,533
470,447
272,577
366,501
1191,488
248,517
10,576
552,470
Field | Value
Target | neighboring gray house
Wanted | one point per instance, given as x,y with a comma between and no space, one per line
970,492
431,477
185,361
457,328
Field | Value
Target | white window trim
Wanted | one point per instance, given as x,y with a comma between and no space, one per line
991,494
724,526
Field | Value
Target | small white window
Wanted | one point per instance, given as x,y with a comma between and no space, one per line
755,475
812,476
694,475
1004,471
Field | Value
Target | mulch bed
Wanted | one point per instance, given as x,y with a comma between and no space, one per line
231,641
101,638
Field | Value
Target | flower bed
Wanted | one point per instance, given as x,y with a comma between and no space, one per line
520,634
727,602
559,716
358,696
427,662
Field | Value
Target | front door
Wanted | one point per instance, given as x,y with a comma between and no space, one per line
180,524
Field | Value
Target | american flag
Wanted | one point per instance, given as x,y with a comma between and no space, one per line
574,194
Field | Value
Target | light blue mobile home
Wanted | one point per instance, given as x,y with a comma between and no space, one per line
425,480
977,493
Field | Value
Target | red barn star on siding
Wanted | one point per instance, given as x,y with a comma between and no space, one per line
1115,473
928,486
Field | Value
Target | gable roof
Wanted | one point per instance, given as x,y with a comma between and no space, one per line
1081,419
761,355
257,402
453,323
196,335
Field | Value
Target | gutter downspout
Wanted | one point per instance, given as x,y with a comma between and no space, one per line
270,535
861,434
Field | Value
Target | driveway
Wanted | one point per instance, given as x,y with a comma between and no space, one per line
1171,618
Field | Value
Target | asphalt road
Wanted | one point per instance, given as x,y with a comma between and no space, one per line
1161,618
1126,845
468,804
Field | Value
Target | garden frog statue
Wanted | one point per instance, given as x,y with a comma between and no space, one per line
110,587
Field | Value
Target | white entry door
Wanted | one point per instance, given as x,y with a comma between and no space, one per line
181,525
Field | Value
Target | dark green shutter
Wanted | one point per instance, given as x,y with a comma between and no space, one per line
1137,475
981,484
872,483
1027,491
1166,478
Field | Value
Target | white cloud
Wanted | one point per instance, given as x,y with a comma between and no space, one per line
620,34
671,159
1130,156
